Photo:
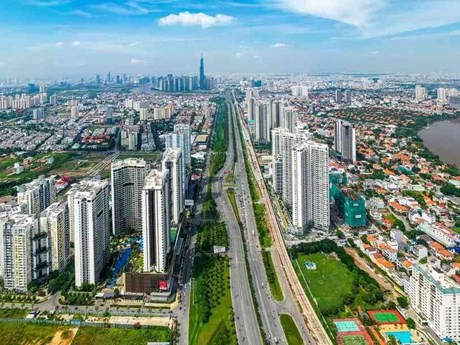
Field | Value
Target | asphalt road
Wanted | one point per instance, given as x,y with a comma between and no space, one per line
290,303
245,315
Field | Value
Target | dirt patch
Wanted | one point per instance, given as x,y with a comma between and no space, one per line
64,337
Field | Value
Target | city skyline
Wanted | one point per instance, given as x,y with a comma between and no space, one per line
61,38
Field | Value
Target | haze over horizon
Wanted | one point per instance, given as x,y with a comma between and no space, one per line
54,38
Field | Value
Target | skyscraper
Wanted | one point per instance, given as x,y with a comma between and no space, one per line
421,93
156,220
345,141
38,194
89,207
172,162
310,186
263,122
127,180
203,83
54,221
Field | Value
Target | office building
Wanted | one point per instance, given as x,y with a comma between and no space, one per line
54,222
90,213
435,296
16,233
310,186
421,93
203,82
172,162
345,141
156,221
127,181
38,194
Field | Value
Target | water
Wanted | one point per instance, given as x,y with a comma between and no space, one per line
404,337
443,139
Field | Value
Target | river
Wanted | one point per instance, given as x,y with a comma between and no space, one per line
443,139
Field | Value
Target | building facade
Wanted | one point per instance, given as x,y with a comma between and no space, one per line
172,162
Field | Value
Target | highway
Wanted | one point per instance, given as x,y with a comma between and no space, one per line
292,289
247,327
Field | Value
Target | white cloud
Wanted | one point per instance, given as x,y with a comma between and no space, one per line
135,61
278,45
196,19
353,12
81,13
130,8
47,3
76,43
58,44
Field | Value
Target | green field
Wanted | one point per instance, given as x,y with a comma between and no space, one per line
329,283
353,340
13,313
272,278
211,285
118,336
290,330
25,333
386,317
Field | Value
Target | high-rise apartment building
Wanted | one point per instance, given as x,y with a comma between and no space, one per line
127,181
156,221
90,214
338,96
38,194
172,162
436,297
184,141
16,233
345,141
310,186
54,222
421,93
263,122
289,118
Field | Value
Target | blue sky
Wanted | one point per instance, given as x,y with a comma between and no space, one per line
57,38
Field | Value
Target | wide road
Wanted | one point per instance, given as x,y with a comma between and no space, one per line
315,333
247,327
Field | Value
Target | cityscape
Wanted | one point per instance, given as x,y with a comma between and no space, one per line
219,173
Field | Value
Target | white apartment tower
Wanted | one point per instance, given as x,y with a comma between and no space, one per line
421,93
38,194
184,141
263,122
16,251
156,221
436,296
172,162
310,186
289,118
54,221
91,218
345,141
127,181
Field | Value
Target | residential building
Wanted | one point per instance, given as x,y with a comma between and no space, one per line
54,222
436,297
345,141
127,181
90,214
156,221
262,122
172,162
38,194
421,93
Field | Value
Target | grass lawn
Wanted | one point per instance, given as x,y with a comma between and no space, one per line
290,330
203,333
26,333
329,282
232,197
275,287
13,313
456,229
118,336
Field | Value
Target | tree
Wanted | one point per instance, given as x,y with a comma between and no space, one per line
411,323
403,302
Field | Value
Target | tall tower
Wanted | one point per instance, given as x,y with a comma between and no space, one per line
127,182
172,161
345,141
156,220
202,76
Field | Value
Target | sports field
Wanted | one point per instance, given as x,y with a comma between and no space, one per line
386,316
353,340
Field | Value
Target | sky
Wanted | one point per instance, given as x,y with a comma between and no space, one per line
68,38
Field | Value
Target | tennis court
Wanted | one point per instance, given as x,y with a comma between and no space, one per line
353,340
346,326
386,316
